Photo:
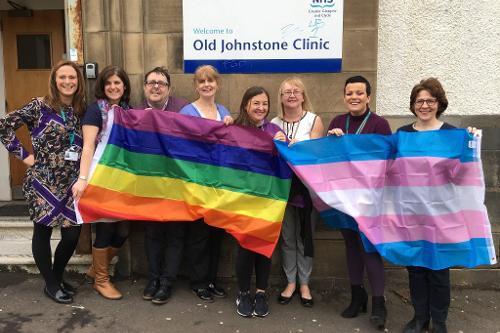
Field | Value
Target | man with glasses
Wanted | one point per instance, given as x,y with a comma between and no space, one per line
163,241
157,92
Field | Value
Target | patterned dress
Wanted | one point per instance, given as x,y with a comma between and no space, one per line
47,185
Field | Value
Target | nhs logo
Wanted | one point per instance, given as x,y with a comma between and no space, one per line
322,3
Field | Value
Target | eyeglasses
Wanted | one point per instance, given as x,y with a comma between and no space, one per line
288,93
430,102
152,83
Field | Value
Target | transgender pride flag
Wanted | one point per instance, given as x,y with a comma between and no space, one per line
417,198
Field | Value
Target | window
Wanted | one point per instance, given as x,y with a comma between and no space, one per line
33,52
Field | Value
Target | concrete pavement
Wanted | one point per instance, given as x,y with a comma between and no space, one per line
24,308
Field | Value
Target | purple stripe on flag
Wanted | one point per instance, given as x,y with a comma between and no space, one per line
193,128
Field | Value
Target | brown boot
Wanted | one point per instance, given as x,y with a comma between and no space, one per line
102,284
90,274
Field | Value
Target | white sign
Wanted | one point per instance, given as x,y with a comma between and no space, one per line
263,36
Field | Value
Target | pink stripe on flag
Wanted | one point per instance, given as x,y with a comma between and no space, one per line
444,229
433,171
412,171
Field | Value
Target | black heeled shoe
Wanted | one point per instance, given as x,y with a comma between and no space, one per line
439,327
217,291
416,326
59,297
285,300
306,302
68,288
379,313
359,301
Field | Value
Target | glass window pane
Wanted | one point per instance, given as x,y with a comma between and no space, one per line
33,52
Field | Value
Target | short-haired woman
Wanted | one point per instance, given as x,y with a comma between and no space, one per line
429,288
361,120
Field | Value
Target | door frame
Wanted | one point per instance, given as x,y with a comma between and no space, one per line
5,188
72,20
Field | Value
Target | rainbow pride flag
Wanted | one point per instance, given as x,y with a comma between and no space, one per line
162,166
416,198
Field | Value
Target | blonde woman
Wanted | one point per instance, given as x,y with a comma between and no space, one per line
298,122
203,241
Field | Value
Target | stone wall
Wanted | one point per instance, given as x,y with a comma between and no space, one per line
142,34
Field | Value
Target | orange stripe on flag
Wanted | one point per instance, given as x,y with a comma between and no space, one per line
99,203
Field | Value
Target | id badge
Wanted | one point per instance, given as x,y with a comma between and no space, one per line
71,154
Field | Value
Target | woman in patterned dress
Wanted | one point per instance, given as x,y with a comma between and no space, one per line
112,88
54,125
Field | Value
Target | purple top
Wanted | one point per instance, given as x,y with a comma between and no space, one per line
374,125
174,104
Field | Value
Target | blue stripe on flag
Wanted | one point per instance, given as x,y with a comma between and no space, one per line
199,152
331,149
437,256
453,144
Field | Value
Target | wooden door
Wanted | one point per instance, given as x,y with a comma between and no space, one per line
31,46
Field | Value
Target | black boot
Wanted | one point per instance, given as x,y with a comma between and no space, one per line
416,326
163,293
439,327
379,312
359,298
151,289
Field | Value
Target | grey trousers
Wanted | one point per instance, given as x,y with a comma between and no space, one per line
295,264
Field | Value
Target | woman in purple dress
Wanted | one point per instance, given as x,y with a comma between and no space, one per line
54,125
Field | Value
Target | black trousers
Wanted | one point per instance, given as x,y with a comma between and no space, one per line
165,242
214,244
245,263
430,293
112,234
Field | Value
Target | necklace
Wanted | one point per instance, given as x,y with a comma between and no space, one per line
290,129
